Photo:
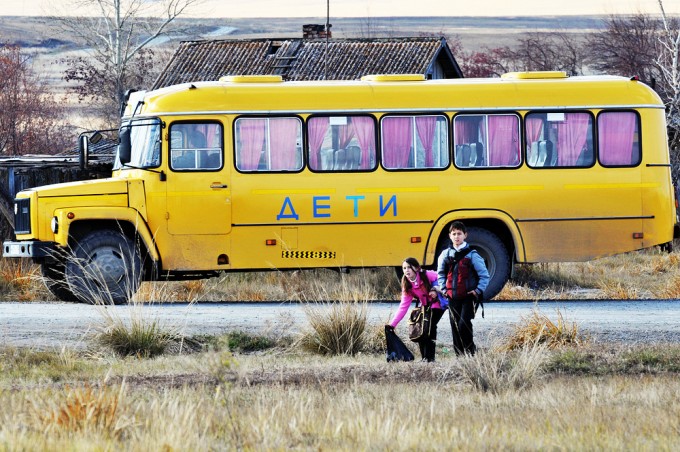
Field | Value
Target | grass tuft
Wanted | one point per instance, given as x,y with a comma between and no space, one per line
138,336
85,409
539,329
335,328
498,371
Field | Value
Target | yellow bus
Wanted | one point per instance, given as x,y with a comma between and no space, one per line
253,173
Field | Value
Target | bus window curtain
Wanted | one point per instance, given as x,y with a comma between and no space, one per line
571,138
345,135
397,136
425,125
283,133
503,140
251,138
534,125
616,131
466,129
365,133
317,128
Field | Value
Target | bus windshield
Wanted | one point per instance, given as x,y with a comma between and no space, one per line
145,138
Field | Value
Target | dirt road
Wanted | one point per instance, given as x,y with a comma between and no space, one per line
48,325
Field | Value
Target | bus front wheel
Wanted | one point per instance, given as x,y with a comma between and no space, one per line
53,277
106,268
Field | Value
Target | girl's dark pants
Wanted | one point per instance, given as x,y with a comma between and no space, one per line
461,313
427,345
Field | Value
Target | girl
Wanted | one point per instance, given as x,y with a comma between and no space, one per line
418,284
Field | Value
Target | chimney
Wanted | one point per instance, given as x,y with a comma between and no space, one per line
316,31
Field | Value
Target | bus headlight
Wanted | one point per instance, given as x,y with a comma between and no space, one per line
54,224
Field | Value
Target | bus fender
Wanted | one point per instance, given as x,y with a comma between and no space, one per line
479,217
117,214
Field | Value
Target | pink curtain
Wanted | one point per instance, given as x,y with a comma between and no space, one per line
316,128
616,131
345,135
466,129
251,137
364,129
283,133
503,140
397,135
425,126
571,138
534,125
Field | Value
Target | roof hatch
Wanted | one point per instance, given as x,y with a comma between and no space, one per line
533,75
252,78
393,78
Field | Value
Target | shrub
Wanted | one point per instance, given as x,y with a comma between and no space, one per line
539,329
138,336
336,328
501,370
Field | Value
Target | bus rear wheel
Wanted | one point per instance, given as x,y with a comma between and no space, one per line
106,268
496,256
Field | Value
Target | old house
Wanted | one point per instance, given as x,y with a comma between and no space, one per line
309,59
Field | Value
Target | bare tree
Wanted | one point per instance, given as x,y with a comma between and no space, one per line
627,46
668,61
118,40
29,115
556,51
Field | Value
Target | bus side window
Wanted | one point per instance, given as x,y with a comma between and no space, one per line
196,146
415,142
483,141
341,143
618,138
558,139
268,144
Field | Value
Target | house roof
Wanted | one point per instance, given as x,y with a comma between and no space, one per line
303,59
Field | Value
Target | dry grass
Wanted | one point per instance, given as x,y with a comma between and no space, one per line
637,275
538,328
337,329
285,400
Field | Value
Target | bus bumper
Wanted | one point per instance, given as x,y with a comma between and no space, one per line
29,248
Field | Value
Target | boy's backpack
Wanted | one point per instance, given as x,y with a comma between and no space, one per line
465,277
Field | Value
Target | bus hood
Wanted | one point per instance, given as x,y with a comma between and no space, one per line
82,188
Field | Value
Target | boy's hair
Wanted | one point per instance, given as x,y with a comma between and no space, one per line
459,226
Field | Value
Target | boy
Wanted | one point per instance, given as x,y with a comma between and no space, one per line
463,274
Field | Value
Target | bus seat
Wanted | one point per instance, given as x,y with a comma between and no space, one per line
551,159
585,158
353,157
326,157
477,154
463,155
532,155
340,159
546,156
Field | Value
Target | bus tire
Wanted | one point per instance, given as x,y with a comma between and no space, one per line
53,278
496,256
106,268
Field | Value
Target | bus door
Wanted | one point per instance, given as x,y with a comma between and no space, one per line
198,183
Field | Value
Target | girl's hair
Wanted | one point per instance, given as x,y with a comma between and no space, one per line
406,285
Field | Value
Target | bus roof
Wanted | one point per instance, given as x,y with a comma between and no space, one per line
403,94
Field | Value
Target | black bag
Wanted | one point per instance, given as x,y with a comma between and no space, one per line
396,349
419,323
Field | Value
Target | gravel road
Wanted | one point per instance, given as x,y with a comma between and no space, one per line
57,325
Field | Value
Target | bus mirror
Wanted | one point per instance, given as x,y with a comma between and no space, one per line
96,137
124,146
83,151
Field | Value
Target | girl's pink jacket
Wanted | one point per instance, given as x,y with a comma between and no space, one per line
418,290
